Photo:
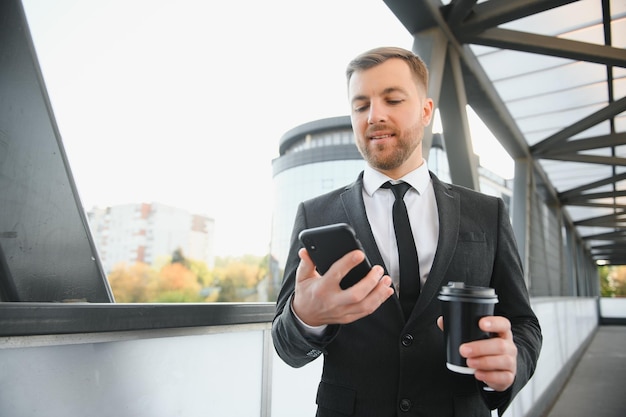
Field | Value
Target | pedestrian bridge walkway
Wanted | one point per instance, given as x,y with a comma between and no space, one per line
597,384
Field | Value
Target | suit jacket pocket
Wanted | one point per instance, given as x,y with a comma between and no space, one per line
473,259
472,236
336,397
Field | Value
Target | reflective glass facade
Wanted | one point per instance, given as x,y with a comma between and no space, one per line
321,156
315,158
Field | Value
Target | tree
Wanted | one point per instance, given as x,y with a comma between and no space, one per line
178,257
619,280
130,284
176,283
202,272
179,279
613,281
606,289
238,277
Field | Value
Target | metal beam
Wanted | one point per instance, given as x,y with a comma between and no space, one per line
593,196
492,13
458,11
610,111
610,220
589,159
521,210
618,235
578,190
431,45
595,204
548,45
456,132
606,141
416,16
620,246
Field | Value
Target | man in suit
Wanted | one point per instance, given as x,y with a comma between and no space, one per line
378,361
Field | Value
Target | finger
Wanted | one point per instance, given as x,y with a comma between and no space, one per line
499,381
343,265
488,347
358,293
367,284
306,267
496,371
504,362
440,322
380,293
366,306
496,325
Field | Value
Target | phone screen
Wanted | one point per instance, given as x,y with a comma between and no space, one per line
327,244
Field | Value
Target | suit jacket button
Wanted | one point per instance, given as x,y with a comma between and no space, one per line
314,353
407,340
405,405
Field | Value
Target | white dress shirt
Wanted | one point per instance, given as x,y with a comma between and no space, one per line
422,208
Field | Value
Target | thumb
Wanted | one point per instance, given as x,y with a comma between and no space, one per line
306,268
440,322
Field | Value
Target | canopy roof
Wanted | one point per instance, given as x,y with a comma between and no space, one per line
548,77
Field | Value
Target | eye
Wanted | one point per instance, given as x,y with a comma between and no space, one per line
361,108
394,102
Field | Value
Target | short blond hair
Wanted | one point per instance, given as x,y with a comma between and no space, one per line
377,56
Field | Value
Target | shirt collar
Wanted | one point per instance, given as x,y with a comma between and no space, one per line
418,179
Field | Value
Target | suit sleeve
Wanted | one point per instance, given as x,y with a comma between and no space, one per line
293,345
514,303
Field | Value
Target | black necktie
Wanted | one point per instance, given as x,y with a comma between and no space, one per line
407,254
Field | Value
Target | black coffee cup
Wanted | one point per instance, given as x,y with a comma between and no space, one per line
463,306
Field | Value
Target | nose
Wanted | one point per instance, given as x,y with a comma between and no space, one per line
376,114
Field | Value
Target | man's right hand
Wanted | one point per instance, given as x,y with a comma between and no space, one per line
319,300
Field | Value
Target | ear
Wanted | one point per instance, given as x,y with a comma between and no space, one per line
427,111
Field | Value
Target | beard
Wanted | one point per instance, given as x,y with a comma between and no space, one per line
390,155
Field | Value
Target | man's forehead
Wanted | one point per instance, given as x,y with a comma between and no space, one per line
370,82
364,95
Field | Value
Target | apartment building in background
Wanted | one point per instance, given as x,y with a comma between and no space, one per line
148,232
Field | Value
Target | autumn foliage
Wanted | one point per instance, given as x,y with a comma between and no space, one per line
131,284
187,280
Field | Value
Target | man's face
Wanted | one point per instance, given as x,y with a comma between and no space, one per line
389,114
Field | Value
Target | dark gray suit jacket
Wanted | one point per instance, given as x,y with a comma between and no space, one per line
381,364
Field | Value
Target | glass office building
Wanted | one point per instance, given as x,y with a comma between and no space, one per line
321,156
314,158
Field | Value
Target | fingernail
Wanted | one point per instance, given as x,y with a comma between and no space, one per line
465,350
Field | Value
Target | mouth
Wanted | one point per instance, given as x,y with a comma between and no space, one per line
379,133
380,136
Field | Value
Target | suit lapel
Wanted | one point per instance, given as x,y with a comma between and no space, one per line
352,200
449,211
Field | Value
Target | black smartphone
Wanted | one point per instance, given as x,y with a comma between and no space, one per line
326,244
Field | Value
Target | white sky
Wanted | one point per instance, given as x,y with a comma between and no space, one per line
175,101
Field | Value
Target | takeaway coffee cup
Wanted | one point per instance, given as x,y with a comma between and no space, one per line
463,306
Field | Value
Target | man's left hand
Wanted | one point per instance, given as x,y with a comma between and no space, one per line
494,359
